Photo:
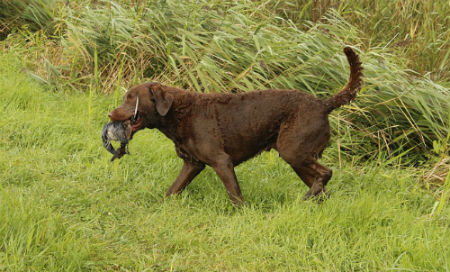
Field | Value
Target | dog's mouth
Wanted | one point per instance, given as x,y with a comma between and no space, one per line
136,122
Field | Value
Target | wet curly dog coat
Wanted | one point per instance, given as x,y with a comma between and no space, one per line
224,130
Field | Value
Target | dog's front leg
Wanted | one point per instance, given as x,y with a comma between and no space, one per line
225,170
187,174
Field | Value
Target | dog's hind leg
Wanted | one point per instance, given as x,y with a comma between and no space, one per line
313,174
296,163
187,174
299,142
319,174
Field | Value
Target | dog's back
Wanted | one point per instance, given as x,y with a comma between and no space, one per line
251,122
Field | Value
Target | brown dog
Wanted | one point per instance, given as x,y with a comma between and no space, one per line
223,130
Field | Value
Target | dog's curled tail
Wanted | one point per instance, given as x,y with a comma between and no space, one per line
348,93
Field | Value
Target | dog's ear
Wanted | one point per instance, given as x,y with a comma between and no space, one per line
162,99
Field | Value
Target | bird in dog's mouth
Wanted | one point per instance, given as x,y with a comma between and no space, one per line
120,131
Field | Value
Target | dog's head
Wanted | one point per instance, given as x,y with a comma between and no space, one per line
144,105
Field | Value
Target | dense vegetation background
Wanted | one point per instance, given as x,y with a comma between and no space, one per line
64,64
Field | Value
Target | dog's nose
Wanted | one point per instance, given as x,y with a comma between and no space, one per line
120,114
110,115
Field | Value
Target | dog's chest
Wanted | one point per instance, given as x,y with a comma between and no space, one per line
184,154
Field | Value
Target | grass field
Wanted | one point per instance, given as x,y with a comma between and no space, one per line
65,207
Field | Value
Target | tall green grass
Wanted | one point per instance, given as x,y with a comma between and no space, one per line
66,207
28,16
418,30
217,46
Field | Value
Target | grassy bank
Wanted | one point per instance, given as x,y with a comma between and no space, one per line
66,207
415,29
